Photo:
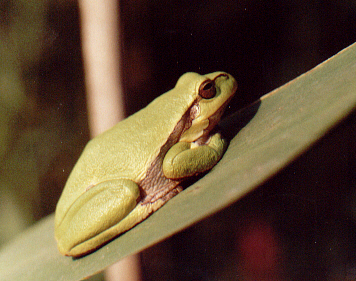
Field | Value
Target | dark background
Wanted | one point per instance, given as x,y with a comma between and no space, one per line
300,225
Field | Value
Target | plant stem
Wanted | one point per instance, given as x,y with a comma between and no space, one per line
105,102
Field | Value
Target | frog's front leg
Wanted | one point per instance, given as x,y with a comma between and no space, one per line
101,207
187,159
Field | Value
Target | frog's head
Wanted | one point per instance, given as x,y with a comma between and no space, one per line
212,94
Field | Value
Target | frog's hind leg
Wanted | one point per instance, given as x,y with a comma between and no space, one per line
99,208
138,214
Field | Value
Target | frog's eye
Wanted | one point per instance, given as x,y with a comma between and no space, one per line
207,89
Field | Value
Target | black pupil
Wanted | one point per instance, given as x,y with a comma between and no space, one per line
208,86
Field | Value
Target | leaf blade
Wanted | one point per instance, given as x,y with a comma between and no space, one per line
281,126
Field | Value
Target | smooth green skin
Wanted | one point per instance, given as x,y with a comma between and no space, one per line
105,193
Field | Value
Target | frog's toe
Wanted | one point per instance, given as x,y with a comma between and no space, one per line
99,208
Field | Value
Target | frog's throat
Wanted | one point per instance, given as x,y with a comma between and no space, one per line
215,118
207,126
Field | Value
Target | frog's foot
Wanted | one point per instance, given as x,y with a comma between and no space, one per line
101,207
171,194
164,194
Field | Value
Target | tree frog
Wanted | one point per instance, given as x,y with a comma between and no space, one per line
131,170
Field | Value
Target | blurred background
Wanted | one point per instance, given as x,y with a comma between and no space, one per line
299,226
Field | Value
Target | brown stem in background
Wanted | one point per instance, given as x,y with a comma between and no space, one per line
101,55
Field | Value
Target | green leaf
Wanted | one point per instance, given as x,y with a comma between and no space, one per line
269,134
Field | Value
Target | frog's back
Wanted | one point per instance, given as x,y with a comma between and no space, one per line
127,150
